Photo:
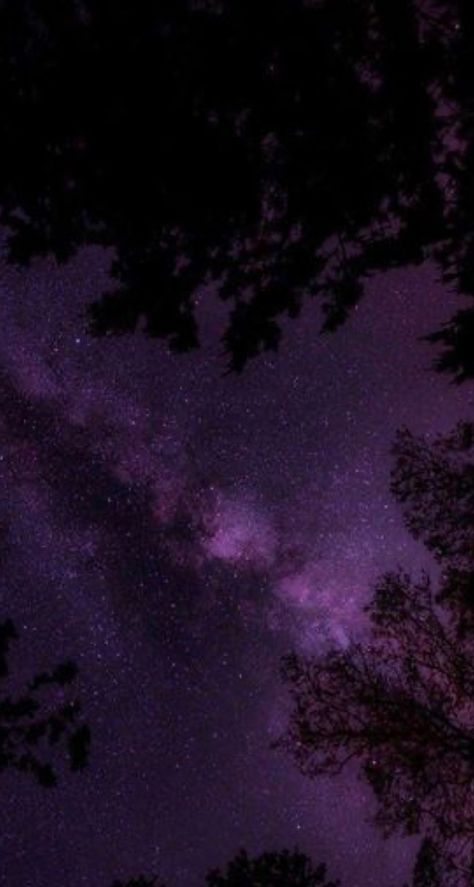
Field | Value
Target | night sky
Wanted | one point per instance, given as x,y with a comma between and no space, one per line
175,530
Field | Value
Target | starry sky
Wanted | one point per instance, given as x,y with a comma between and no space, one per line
175,530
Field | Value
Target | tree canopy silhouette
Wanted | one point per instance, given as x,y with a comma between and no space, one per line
43,715
435,486
283,869
401,703
427,871
269,151
278,869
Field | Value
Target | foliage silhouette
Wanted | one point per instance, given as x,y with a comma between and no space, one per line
269,151
401,704
283,869
435,486
427,871
42,716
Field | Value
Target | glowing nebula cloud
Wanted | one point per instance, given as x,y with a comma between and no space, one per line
237,532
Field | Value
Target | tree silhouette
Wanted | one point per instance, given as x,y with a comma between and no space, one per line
283,869
427,871
268,151
435,486
401,704
41,717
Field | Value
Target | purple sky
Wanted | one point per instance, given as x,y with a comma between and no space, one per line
175,531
